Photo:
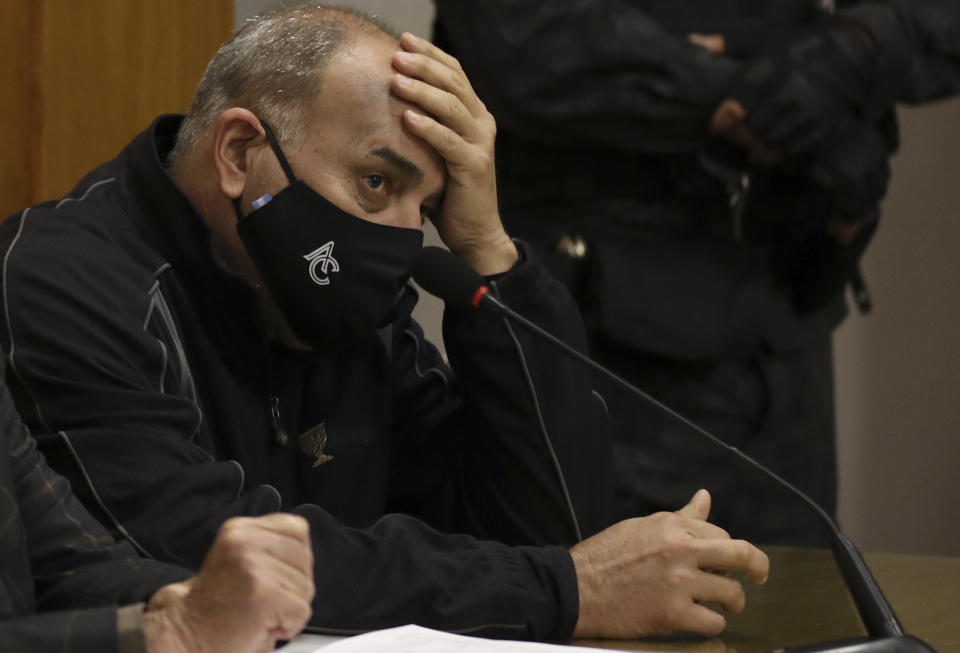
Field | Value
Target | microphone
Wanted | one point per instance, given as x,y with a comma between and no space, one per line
444,275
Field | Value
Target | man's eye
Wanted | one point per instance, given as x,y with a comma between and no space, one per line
374,182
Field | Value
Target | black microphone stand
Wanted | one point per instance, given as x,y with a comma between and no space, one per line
886,635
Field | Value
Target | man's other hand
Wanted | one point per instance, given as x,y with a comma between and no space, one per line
652,575
255,587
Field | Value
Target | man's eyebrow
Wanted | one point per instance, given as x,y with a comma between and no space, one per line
395,158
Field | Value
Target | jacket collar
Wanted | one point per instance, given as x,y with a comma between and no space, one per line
168,219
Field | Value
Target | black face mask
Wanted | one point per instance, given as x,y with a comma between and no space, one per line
334,276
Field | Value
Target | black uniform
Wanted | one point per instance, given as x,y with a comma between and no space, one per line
139,363
708,282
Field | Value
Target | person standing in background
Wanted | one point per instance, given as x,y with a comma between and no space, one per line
705,177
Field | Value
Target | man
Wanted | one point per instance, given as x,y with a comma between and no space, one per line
704,176
215,323
62,575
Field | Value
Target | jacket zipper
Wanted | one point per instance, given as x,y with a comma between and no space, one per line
738,192
279,433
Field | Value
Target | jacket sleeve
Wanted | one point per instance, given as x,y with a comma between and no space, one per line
594,73
74,564
400,570
513,446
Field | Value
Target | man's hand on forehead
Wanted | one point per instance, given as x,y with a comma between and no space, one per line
458,126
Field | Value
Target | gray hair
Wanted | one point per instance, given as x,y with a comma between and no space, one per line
272,67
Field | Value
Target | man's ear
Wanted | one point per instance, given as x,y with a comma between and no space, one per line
237,134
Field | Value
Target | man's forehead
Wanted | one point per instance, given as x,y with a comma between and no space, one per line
356,100
360,71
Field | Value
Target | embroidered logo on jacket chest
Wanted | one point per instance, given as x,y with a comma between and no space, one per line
312,443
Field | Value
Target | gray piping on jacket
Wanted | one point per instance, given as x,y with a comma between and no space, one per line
158,304
603,403
116,522
86,192
29,391
243,478
6,314
416,361
36,404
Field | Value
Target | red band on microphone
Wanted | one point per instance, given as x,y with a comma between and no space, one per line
477,296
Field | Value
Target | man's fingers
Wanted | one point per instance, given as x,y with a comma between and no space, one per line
285,563
726,592
437,68
440,137
445,106
704,530
728,116
702,620
280,536
735,555
714,43
412,43
289,615
279,523
282,574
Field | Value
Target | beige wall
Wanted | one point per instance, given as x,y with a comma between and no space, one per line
413,15
898,371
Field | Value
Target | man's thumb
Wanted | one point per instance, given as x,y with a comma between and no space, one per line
698,507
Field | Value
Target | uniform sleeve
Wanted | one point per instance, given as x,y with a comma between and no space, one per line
74,564
93,629
928,34
95,385
592,73
512,444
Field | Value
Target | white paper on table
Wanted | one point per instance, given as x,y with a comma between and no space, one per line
307,643
416,639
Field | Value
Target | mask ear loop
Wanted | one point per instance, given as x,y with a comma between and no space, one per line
278,151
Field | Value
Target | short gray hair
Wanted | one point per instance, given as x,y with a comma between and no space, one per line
272,67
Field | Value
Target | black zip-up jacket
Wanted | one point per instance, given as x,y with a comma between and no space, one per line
139,363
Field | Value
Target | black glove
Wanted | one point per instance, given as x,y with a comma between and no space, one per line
818,221
851,64
854,170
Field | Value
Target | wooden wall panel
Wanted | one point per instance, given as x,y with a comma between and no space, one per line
15,104
81,77
109,67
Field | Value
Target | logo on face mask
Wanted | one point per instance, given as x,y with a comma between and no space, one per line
322,257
